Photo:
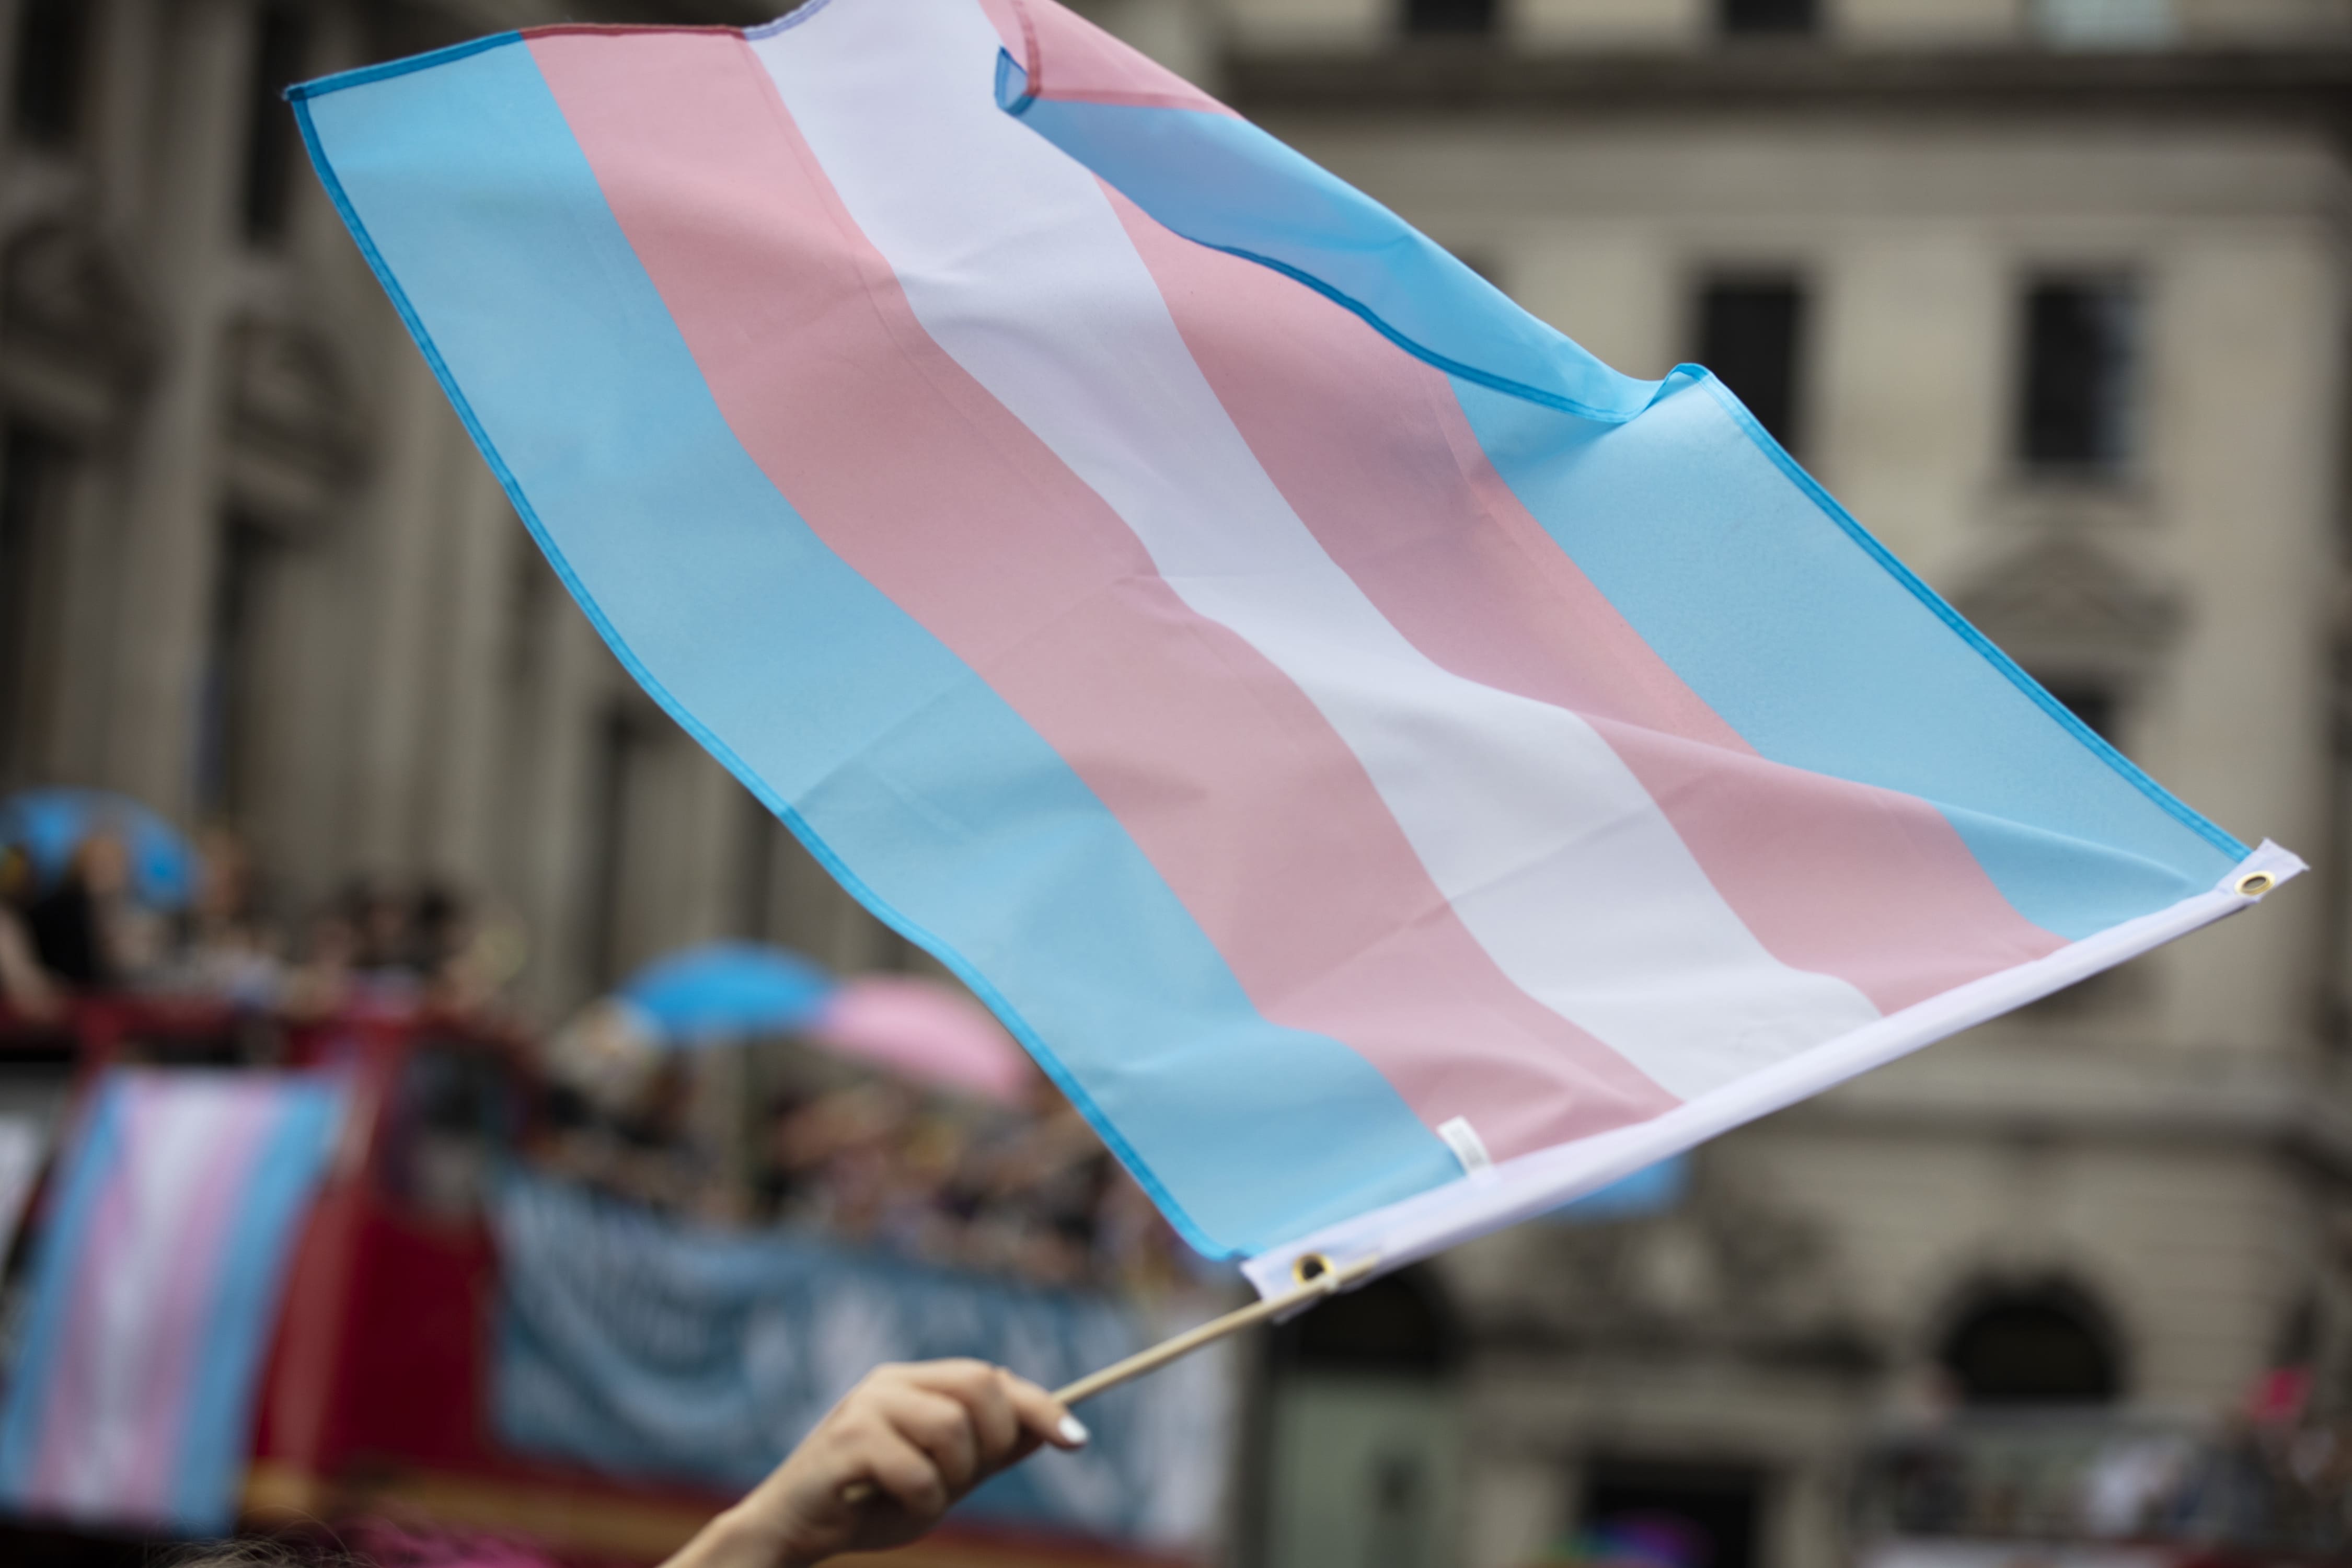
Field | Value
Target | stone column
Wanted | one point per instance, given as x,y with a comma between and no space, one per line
557,733
716,843
12,16
125,36
171,522
116,157
1516,1503
398,624
477,574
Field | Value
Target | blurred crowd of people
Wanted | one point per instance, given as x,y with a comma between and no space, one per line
2280,1485
87,930
1033,1192
773,1132
1027,1191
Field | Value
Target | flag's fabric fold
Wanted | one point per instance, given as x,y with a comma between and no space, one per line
1349,733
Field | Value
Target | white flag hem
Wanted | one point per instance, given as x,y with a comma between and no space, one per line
1536,1184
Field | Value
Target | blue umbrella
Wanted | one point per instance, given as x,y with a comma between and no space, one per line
50,825
728,990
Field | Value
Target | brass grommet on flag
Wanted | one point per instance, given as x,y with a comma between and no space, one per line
2254,884
1310,1267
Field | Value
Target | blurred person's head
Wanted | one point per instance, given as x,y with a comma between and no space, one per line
101,864
608,1055
225,879
17,883
330,941
443,926
382,928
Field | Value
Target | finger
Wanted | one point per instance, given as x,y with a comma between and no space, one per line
981,1388
937,1423
903,1470
1044,1415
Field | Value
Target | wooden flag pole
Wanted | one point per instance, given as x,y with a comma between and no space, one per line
1330,1281
1327,1281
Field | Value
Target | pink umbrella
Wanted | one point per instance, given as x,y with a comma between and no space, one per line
924,1030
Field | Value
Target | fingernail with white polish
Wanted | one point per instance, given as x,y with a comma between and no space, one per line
1073,1430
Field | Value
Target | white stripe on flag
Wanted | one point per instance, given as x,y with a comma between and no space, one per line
1013,258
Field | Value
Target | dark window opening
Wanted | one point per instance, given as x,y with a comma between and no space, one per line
32,492
278,47
52,55
2081,362
1400,1323
1745,18
2046,1345
761,865
1751,334
229,703
621,756
1644,1511
2094,702
1459,17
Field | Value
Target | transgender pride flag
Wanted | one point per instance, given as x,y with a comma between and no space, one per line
154,1290
1395,772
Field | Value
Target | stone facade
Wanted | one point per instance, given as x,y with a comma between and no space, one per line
258,573
253,570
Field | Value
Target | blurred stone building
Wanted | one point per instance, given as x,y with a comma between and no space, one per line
253,571
2050,292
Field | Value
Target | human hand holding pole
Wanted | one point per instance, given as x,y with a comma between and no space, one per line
909,1441
885,1463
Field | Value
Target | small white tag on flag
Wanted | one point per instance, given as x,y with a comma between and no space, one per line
1468,1146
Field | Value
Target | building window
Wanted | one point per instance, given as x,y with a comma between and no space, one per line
1645,1511
1764,19
624,756
33,486
2094,701
2041,1345
1751,334
2081,367
51,61
270,146
1423,18
759,868
1363,1429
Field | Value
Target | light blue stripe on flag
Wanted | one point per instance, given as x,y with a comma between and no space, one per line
1225,183
1772,606
91,1160
941,807
1825,655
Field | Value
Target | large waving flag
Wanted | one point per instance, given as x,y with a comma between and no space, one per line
1394,771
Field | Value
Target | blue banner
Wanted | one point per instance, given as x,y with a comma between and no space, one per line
653,1349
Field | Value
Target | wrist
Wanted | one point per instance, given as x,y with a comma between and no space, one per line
736,1539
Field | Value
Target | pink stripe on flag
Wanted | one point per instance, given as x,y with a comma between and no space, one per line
198,1254
927,486
1371,448
1069,57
